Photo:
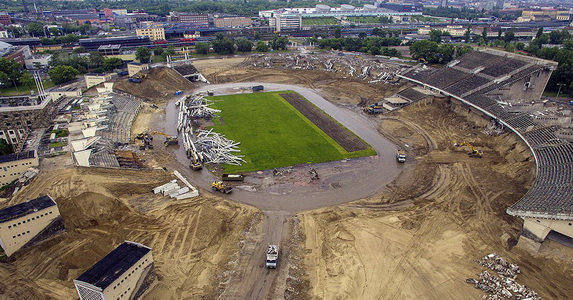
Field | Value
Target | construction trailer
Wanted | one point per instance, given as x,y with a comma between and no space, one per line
124,273
29,223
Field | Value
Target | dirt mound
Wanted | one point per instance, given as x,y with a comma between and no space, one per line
160,83
192,240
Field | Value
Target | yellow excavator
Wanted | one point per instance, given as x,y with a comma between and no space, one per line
474,151
169,139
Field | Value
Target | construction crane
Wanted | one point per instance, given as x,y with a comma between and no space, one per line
474,151
169,139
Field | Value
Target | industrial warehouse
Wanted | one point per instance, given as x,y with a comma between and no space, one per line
463,163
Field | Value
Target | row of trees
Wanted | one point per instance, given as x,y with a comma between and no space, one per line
433,52
373,45
94,62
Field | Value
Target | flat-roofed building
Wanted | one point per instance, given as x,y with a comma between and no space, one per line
154,33
12,166
96,78
134,68
125,273
65,92
29,223
232,21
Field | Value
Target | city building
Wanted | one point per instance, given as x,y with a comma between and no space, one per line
444,3
280,22
232,21
154,33
96,78
124,273
110,12
19,115
29,223
12,166
38,61
134,68
529,15
3,34
65,92
124,41
109,49
199,20
5,19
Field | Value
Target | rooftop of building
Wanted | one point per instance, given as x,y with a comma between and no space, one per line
115,38
17,156
25,208
114,264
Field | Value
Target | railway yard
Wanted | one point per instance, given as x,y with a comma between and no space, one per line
365,228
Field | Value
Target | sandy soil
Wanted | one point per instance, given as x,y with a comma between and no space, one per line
422,237
159,84
192,240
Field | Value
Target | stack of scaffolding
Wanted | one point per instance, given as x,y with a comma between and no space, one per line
209,147
216,148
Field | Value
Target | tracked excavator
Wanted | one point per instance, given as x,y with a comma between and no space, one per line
474,151
169,139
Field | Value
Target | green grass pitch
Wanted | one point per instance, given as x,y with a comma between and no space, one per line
273,133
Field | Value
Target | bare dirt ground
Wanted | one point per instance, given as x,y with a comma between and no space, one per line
342,136
421,238
192,240
159,84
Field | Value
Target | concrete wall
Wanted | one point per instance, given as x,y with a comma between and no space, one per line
92,80
12,170
538,229
14,234
517,91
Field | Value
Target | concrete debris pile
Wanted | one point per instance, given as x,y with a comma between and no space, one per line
346,66
216,148
282,172
504,285
193,107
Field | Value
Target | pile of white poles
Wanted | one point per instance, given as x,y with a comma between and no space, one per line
216,148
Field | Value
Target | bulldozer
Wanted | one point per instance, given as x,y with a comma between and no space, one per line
169,139
219,186
474,151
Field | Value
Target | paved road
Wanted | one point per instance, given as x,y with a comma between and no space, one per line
358,179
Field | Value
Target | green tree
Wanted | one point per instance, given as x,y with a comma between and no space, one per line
143,54
61,74
484,34
17,32
27,80
436,35
244,45
427,50
223,46
362,35
262,47
95,60
111,63
539,32
279,43
35,29
337,32
509,36
157,50
10,72
467,35
202,48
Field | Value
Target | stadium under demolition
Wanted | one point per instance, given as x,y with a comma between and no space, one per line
129,208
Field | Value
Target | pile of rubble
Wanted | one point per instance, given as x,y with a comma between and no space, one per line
216,148
347,65
502,286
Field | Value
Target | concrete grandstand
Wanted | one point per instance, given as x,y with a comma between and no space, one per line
488,81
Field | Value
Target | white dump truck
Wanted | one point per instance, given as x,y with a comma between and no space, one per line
272,256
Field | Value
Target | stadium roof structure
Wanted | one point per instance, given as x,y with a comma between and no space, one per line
469,79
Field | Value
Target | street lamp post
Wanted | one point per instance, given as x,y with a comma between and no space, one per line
559,91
